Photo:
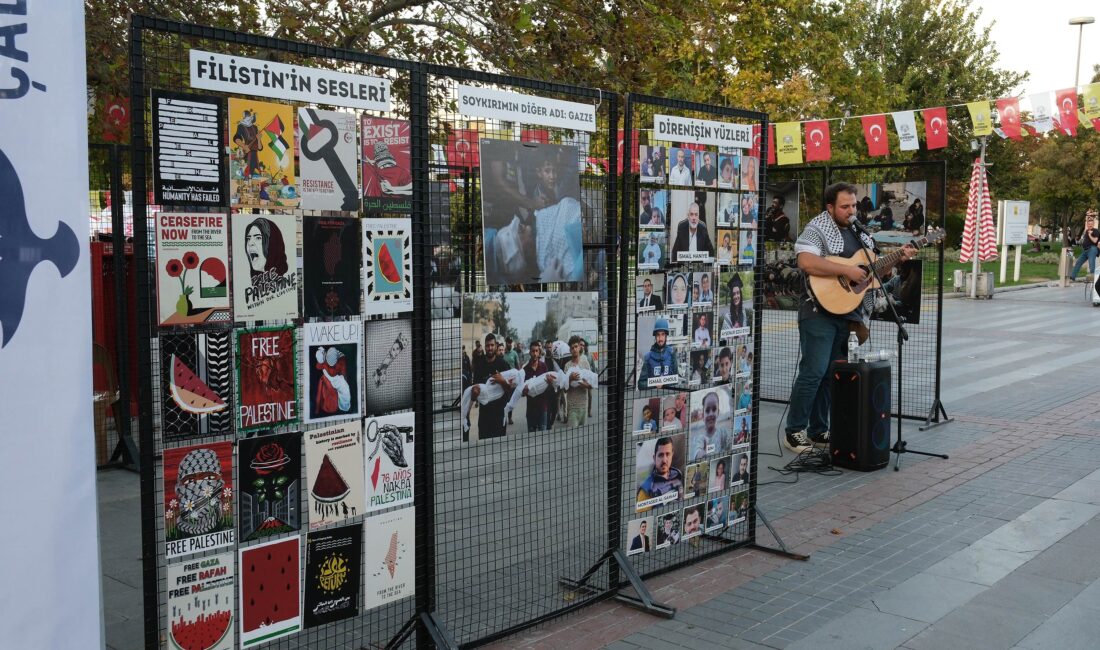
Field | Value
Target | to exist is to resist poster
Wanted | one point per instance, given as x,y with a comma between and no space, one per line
389,449
192,268
270,591
188,165
333,370
267,390
390,558
199,603
198,498
387,165
196,384
265,267
326,157
330,264
261,154
387,265
270,479
334,469
333,574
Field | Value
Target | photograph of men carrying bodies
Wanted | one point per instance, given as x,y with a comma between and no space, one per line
531,212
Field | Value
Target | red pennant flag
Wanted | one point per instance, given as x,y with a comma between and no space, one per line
116,119
754,150
635,164
874,132
935,127
1009,111
818,143
535,135
771,144
1067,110
463,149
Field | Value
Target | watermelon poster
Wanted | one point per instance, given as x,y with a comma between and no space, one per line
333,574
389,449
270,479
270,591
200,603
387,265
198,498
332,370
389,563
261,154
267,388
265,267
192,268
387,165
330,264
196,384
328,172
334,469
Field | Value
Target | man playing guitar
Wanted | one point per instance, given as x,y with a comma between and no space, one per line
823,335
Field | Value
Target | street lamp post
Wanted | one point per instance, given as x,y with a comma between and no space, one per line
1080,21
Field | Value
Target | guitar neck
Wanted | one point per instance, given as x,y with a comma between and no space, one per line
889,260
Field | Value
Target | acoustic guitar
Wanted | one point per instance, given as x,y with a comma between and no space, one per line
839,295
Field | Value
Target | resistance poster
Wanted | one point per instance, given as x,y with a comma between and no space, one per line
261,154
332,370
265,267
334,467
387,165
271,591
269,499
188,165
192,268
389,449
333,574
387,265
196,384
267,388
330,261
326,147
198,498
390,558
199,602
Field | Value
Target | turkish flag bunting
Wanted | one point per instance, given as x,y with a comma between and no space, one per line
463,149
1067,110
754,150
874,132
1009,111
535,135
935,127
771,144
818,143
635,164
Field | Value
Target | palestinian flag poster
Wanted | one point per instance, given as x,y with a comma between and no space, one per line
261,155
389,449
196,384
333,574
270,480
332,370
199,603
334,469
387,165
330,264
270,591
327,164
387,266
192,268
198,498
267,387
390,560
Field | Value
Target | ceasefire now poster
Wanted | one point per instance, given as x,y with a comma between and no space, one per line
192,268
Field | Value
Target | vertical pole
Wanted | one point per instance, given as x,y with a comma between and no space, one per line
1077,68
617,310
939,285
1016,271
757,327
122,336
977,265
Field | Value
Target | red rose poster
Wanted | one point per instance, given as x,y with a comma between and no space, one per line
267,390
270,480
387,166
200,603
271,591
192,268
198,498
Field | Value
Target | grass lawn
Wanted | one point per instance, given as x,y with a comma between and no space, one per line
1030,271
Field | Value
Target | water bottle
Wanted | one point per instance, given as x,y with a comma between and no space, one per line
853,348
881,355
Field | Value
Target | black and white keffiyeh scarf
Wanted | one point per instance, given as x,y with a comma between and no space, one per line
821,236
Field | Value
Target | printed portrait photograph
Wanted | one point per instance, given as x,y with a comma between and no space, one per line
668,529
652,209
729,170
692,225
646,415
719,474
729,209
706,168
652,251
735,303
697,479
653,160
674,412
711,423
639,535
679,291
717,512
681,170
727,247
650,291
693,520
659,471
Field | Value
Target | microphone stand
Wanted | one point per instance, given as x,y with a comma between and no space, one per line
901,446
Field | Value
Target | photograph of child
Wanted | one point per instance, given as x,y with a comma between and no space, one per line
700,367
653,161
674,413
728,172
723,366
727,247
719,474
645,415
651,249
652,207
746,254
711,422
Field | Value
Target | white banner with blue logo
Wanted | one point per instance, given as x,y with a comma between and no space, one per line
49,559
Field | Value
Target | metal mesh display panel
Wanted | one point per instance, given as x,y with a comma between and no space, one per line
740,498
159,61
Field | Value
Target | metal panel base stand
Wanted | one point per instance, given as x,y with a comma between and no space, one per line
932,420
643,601
428,623
782,550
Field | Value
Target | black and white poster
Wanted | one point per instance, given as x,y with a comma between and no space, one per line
387,365
188,136
389,449
333,574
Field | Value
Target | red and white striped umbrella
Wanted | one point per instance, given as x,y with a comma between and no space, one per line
987,242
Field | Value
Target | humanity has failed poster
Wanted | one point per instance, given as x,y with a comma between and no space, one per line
389,449
198,498
269,498
261,154
199,602
333,574
188,165
334,468
196,390
270,591
389,565
330,262
265,267
267,390
326,147
332,370
192,268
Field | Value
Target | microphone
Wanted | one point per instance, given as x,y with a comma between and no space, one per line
853,222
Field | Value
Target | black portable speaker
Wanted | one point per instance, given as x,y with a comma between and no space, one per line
859,430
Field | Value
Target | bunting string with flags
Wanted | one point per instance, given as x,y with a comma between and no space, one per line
1066,100
979,224
818,143
874,132
1009,111
906,126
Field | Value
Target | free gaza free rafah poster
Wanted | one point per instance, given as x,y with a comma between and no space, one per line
198,498
326,148
199,603
387,165
261,154
265,267
192,268
267,387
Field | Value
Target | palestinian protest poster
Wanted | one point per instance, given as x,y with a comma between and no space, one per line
265,267
267,387
390,558
387,164
531,212
199,602
261,155
332,369
387,266
330,265
192,268
196,384
188,135
387,364
659,471
270,590
326,160
334,470
198,498
270,485
333,574
389,449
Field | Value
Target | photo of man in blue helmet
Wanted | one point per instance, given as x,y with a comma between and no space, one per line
660,361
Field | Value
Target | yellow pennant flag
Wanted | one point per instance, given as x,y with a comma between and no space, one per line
1091,100
788,143
981,116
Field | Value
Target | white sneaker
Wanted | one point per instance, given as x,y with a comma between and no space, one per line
797,441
